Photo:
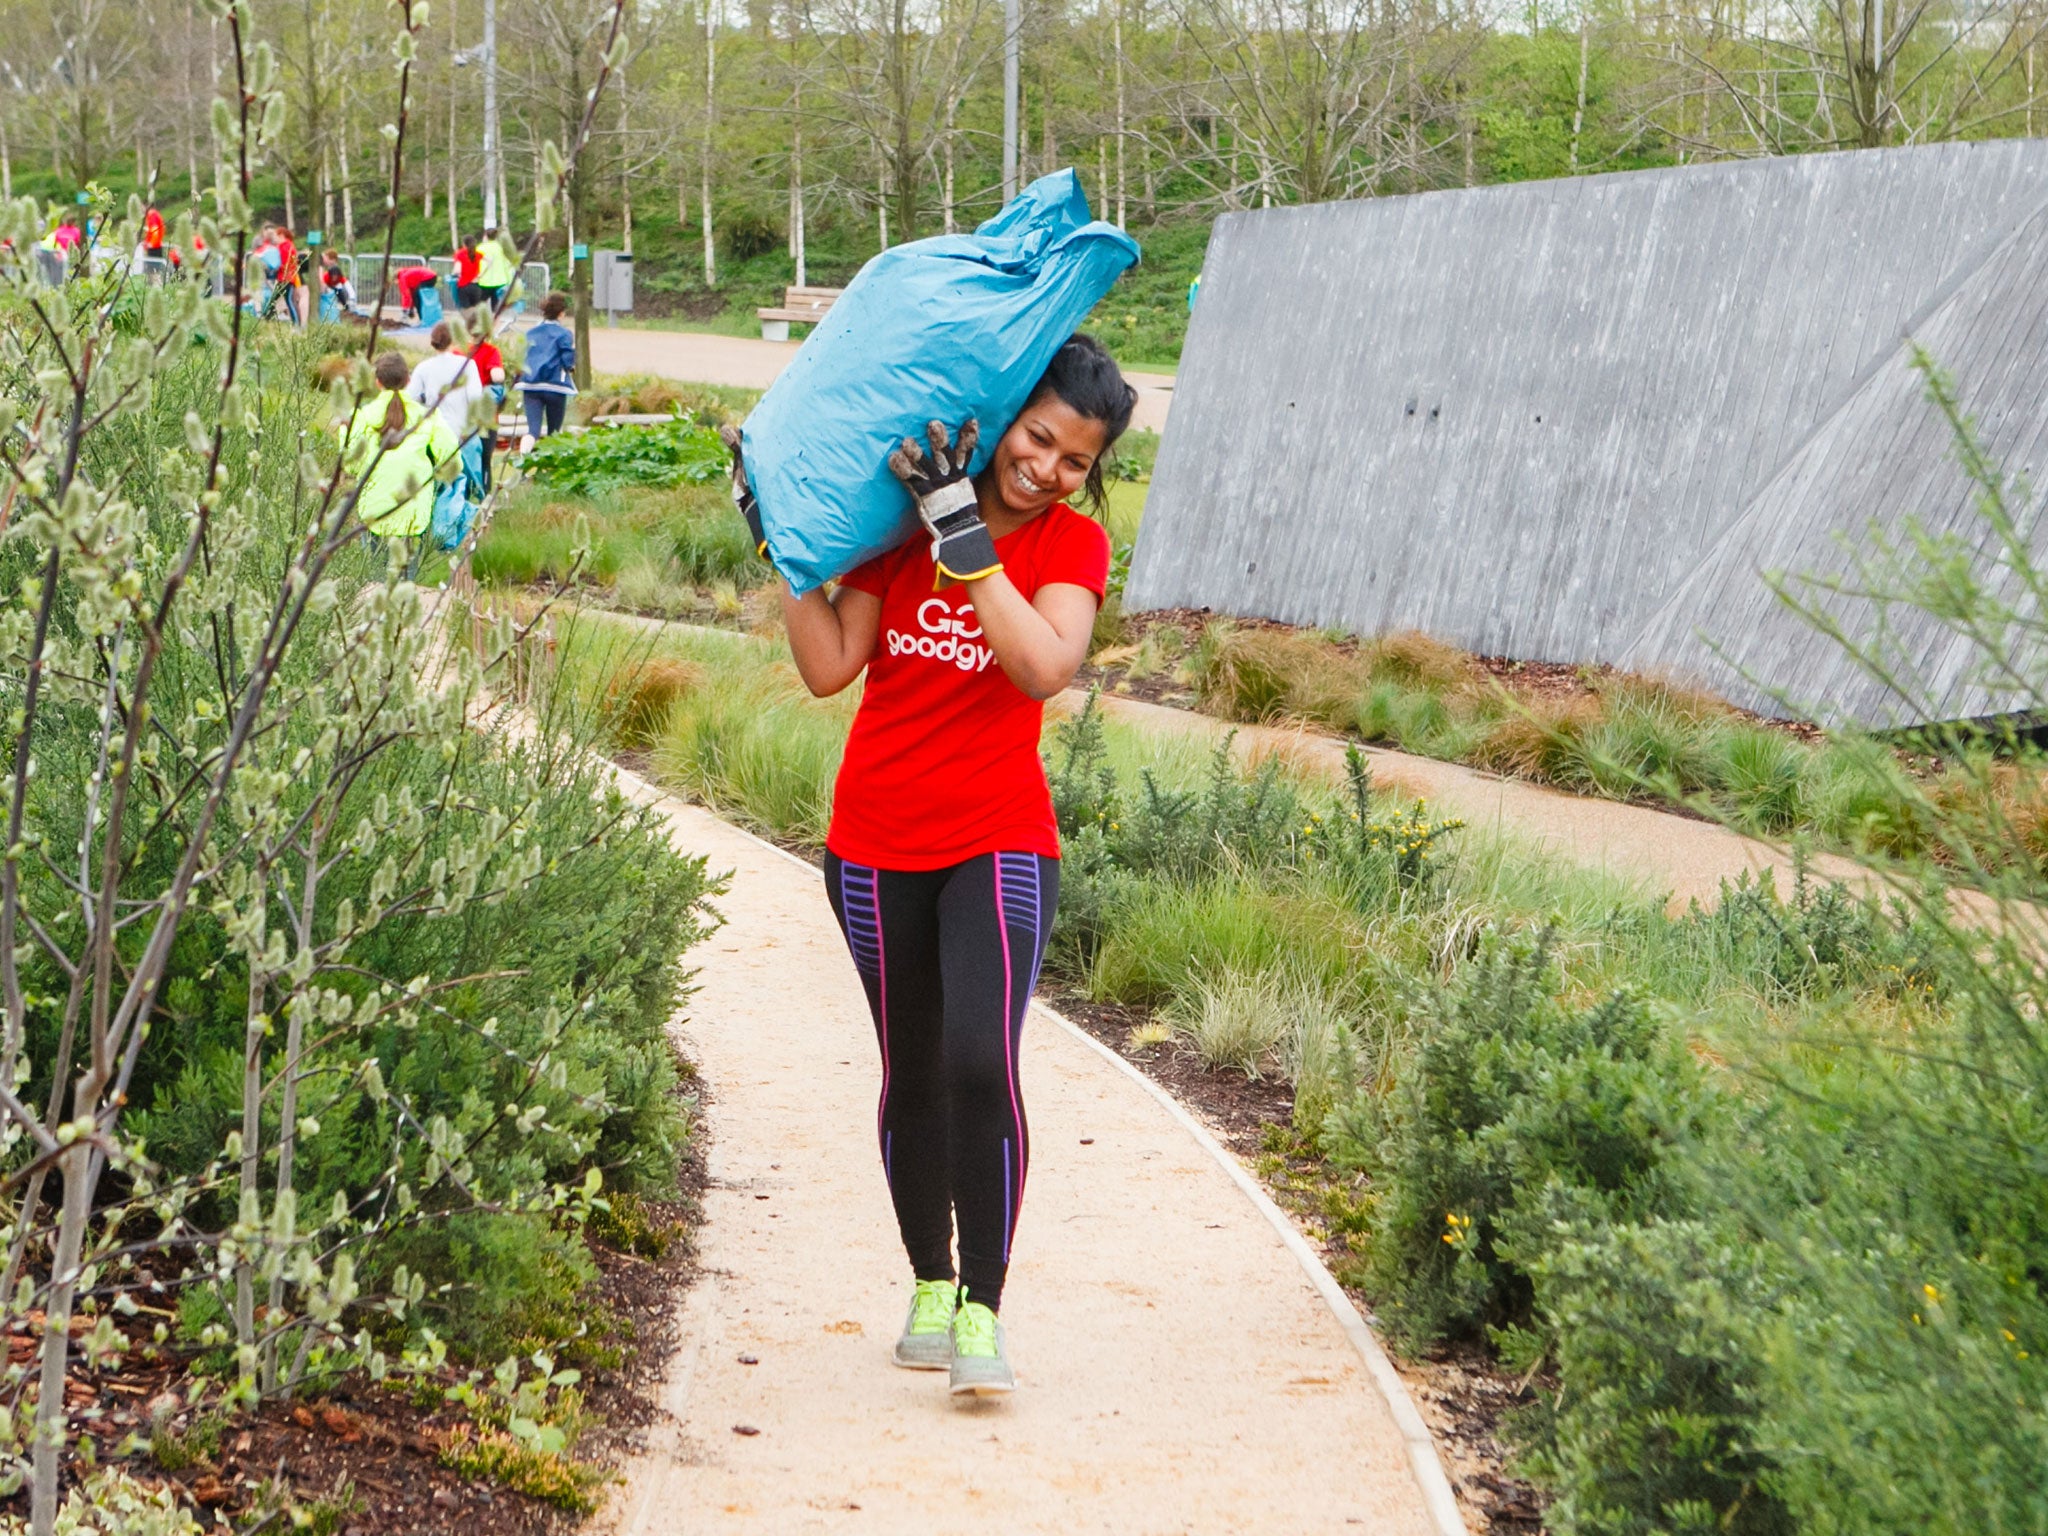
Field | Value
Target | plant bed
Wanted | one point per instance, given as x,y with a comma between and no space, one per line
398,1457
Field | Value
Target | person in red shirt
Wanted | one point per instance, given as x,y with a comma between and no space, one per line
153,233
490,367
943,856
467,264
290,280
410,280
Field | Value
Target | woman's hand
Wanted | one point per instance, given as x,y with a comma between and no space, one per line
962,547
1040,644
743,491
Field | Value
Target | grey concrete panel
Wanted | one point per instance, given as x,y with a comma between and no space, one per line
1572,420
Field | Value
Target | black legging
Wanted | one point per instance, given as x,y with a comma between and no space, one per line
949,959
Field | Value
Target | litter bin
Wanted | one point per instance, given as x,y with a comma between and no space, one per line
611,282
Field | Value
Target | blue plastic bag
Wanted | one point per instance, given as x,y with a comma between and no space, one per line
939,329
453,510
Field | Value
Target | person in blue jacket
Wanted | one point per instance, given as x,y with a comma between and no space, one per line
549,378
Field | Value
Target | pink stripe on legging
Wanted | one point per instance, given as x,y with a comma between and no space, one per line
1009,1054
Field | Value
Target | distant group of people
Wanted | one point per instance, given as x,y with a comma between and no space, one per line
424,416
485,269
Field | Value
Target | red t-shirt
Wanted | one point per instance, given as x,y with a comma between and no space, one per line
486,357
942,762
152,231
467,265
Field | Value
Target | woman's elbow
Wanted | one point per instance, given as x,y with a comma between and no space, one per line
822,684
1044,685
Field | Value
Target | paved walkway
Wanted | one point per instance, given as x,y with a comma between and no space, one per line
697,358
1179,1372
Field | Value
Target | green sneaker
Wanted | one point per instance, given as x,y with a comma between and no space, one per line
927,1342
980,1364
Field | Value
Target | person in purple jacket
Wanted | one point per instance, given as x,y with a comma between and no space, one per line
549,378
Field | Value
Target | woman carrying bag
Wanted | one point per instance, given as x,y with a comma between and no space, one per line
943,856
401,443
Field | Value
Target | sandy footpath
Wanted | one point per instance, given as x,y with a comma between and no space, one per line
1673,855
747,362
1178,1371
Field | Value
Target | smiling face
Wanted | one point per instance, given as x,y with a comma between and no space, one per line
1044,457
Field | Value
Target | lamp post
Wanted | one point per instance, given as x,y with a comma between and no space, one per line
492,170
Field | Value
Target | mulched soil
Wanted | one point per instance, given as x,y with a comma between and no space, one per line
367,1446
1236,1108
1461,1393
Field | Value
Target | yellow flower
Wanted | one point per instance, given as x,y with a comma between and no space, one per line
1930,1293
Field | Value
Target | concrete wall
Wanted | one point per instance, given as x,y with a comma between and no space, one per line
1573,420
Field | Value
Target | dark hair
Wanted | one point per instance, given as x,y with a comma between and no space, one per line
441,336
1090,384
552,306
392,373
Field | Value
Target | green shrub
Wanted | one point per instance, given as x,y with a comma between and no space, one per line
1513,1101
1168,939
1653,1429
1643,746
709,541
675,453
1758,773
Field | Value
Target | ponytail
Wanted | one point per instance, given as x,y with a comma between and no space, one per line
394,421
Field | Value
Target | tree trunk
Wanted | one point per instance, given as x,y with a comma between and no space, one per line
1122,121
797,233
946,195
625,175
348,201
1579,111
454,47
76,1166
704,159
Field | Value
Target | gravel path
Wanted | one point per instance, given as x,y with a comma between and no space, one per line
1179,1370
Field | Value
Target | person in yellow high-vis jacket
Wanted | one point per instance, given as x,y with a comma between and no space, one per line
496,270
405,442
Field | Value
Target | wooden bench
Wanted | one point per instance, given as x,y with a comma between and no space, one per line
806,306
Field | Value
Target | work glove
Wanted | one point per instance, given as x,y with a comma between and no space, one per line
962,547
743,492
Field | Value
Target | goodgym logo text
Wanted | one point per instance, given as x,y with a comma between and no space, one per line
948,636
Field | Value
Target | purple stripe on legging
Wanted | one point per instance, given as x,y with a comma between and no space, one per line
858,881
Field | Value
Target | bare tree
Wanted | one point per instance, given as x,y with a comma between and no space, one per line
895,74
1320,99
1829,74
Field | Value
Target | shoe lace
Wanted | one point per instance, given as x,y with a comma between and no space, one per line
931,1307
974,1330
